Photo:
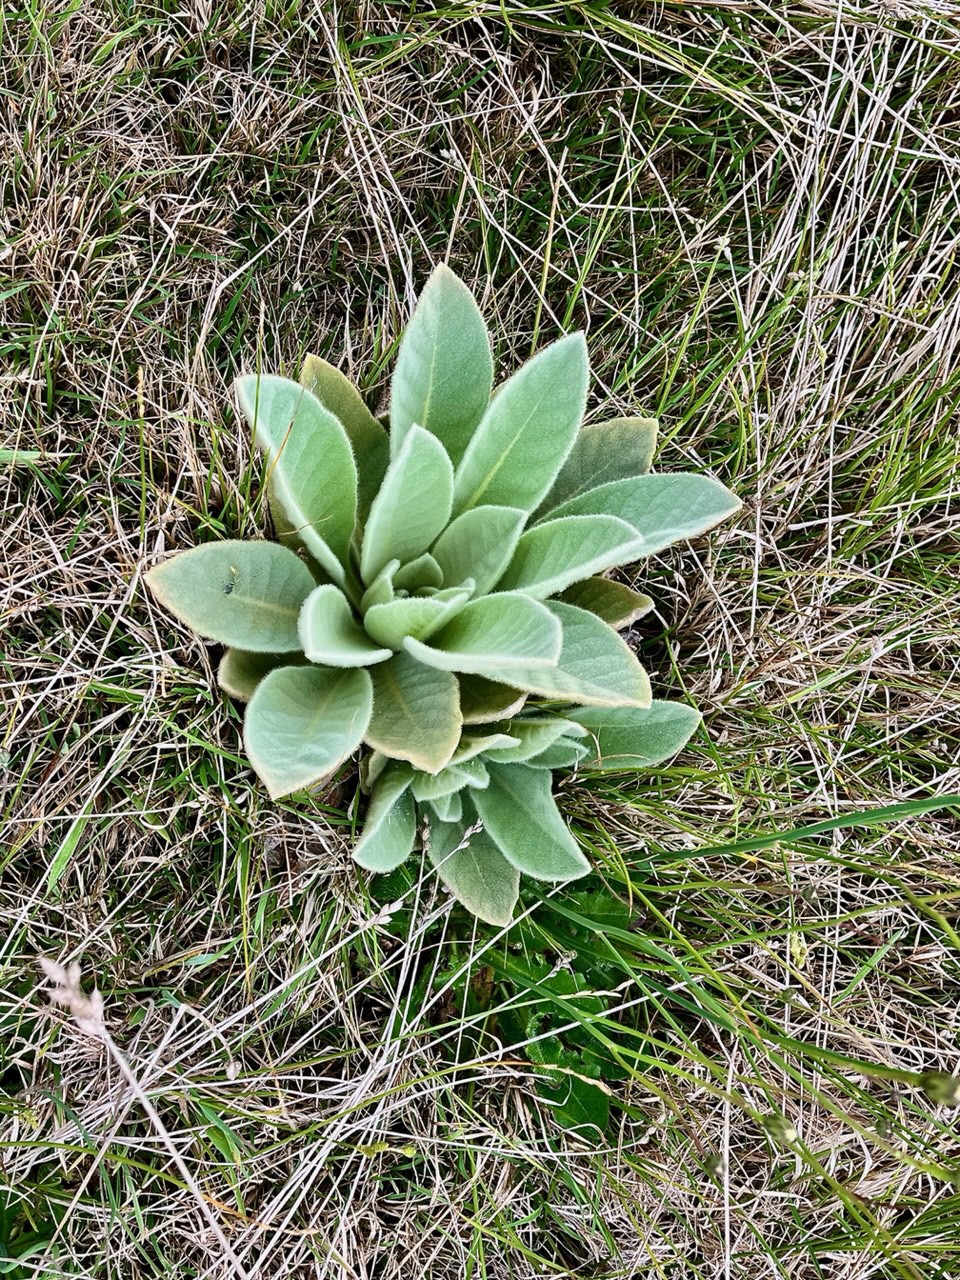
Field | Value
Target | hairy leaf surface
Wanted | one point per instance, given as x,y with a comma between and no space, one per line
416,713
331,635
413,504
552,555
494,632
520,814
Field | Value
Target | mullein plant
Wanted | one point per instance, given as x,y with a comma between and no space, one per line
437,597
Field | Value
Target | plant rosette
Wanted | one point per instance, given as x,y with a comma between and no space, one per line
437,595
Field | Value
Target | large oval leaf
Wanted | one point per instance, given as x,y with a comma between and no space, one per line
595,667
312,470
332,636
493,632
368,439
615,603
243,594
625,740
444,370
525,435
613,450
474,869
390,827
553,555
416,713
413,504
663,508
479,545
519,812
303,722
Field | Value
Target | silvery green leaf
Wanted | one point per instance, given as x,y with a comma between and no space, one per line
303,722
412,506
493,632
390,827
519,813
372,766
417,616
552,555
625,740
613,450
594,668
381,589
240,671
484,702
564,754
420,573
479,545
416,713
368,440
613,602
662,508
474,870
437,786
332,636
531,737
444,370
472,745
312,471
526,433
447,808
243,594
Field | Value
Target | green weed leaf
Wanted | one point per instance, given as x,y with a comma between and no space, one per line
331,635
416,713
519,813
625,740
368,439
413,505
553,555
492,634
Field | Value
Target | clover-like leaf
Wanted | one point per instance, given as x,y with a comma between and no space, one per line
368,440
412,506
331,635
243,594
390,828
520,814
614,602
524,437
303,722
626,740
474,869
444,370
416,713
552,555
479,545
312,470
613,450
492,634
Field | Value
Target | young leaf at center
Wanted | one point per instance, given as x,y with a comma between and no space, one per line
413,504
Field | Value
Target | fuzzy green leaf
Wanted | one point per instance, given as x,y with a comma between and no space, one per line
390,827
413,504
531,737
663,509
369,441
553,555
437,786
484,702
594,668
479,545
331,635
563,754
243,594
302,722
416,713
417,616
420,573
613,602
240,671
526,433
494,632
312,470
625,740
614,450
473,745
447,808
381,589
520,814
474,870
444,370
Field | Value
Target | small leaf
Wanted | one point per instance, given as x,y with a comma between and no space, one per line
243,594
303,722
532,737
312,470
474,870
240,671
626,740
368,440
483,702
613,602
594,668
331,635
614,450
663,509
390,827
420,573
526,433
494,632
447,808
444,370
437,786
417,616
381,589
553,555
564,754
372,766
413,504
519,812
473,745
416,713
479,545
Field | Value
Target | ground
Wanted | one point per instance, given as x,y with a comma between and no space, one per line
752,210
